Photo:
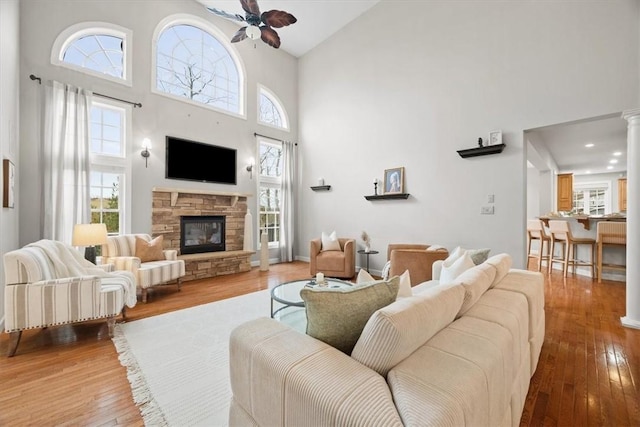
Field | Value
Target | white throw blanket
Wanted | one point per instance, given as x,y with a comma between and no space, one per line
68,262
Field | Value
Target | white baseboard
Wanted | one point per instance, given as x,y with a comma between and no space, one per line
271,261
630,323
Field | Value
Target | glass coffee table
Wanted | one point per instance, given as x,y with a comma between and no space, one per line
287,296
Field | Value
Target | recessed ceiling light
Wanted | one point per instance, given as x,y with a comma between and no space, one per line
609,167
613,161
587,172
589,145
618,153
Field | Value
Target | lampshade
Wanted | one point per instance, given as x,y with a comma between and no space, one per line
89,234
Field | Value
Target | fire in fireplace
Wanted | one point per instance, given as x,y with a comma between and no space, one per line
200,234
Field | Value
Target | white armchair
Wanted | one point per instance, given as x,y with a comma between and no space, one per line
121,252
49,283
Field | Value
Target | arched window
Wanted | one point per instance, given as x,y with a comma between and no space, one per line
270,110
96,48
193,64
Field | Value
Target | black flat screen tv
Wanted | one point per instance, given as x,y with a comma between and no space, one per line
196,161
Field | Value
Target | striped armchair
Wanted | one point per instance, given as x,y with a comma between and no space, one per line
120,251
49,283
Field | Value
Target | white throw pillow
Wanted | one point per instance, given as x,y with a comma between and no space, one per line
454,255
434,248
404,290
451,270
364,277
330,242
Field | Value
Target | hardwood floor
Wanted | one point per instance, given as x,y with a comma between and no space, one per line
588,374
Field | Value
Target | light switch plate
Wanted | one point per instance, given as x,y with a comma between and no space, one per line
490,198
486,210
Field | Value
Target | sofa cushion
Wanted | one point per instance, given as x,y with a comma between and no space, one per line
462,375
451,269
149,251
337,316
475,281
502,263
397,330
330,242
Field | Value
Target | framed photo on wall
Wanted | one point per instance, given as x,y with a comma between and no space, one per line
495,137
394,181
8,180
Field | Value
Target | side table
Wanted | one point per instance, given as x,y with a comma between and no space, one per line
363,252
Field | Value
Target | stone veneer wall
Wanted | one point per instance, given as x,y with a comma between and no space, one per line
168,205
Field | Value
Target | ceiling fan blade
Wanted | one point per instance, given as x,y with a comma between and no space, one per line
250,6
222,13
240,35
278,18
270,37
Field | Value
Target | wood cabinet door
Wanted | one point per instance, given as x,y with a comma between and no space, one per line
622,194
565,192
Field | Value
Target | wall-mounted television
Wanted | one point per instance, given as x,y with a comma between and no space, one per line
197,161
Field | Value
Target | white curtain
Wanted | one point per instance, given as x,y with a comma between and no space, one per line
65,156
287,193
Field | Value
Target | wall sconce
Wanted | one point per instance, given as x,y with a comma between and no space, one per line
146,145
250,169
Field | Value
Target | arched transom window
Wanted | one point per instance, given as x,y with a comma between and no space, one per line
96,48
192,64
270,110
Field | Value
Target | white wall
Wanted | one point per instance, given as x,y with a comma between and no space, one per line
409,83
9,127
159,116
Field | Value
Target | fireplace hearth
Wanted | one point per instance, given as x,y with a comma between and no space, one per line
199,234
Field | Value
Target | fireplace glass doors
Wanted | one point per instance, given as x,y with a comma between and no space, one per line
200,234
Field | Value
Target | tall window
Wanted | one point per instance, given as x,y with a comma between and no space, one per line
109,134
270,182
99,50
591,200
192,64
270,110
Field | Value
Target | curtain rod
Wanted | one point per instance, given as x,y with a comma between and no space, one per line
135,104
270,137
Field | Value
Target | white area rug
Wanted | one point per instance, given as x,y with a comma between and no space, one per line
178,363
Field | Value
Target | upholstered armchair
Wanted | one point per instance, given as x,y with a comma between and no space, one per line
415,258
49,283
341,264
162,269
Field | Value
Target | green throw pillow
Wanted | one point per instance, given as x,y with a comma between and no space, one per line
338,316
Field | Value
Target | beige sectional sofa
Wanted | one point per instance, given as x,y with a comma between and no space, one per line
458,354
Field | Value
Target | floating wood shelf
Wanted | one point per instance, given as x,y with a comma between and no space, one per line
481,151
388,196
321,187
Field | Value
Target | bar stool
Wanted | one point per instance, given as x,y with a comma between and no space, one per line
535,231
561,233
610,233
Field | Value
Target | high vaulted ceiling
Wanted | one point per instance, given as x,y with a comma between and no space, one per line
317,19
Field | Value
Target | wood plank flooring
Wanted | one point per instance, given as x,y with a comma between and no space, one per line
588,374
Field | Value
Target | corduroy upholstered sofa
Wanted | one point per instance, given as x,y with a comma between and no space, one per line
121,252
458,354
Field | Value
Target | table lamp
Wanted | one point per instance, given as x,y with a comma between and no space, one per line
89,235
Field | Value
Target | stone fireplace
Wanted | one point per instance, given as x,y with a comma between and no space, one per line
171,205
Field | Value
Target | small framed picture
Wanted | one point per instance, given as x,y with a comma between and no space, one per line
394,181
495,137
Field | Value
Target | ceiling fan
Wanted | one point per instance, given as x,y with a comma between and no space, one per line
259,25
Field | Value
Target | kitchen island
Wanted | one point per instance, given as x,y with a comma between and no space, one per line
585,226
